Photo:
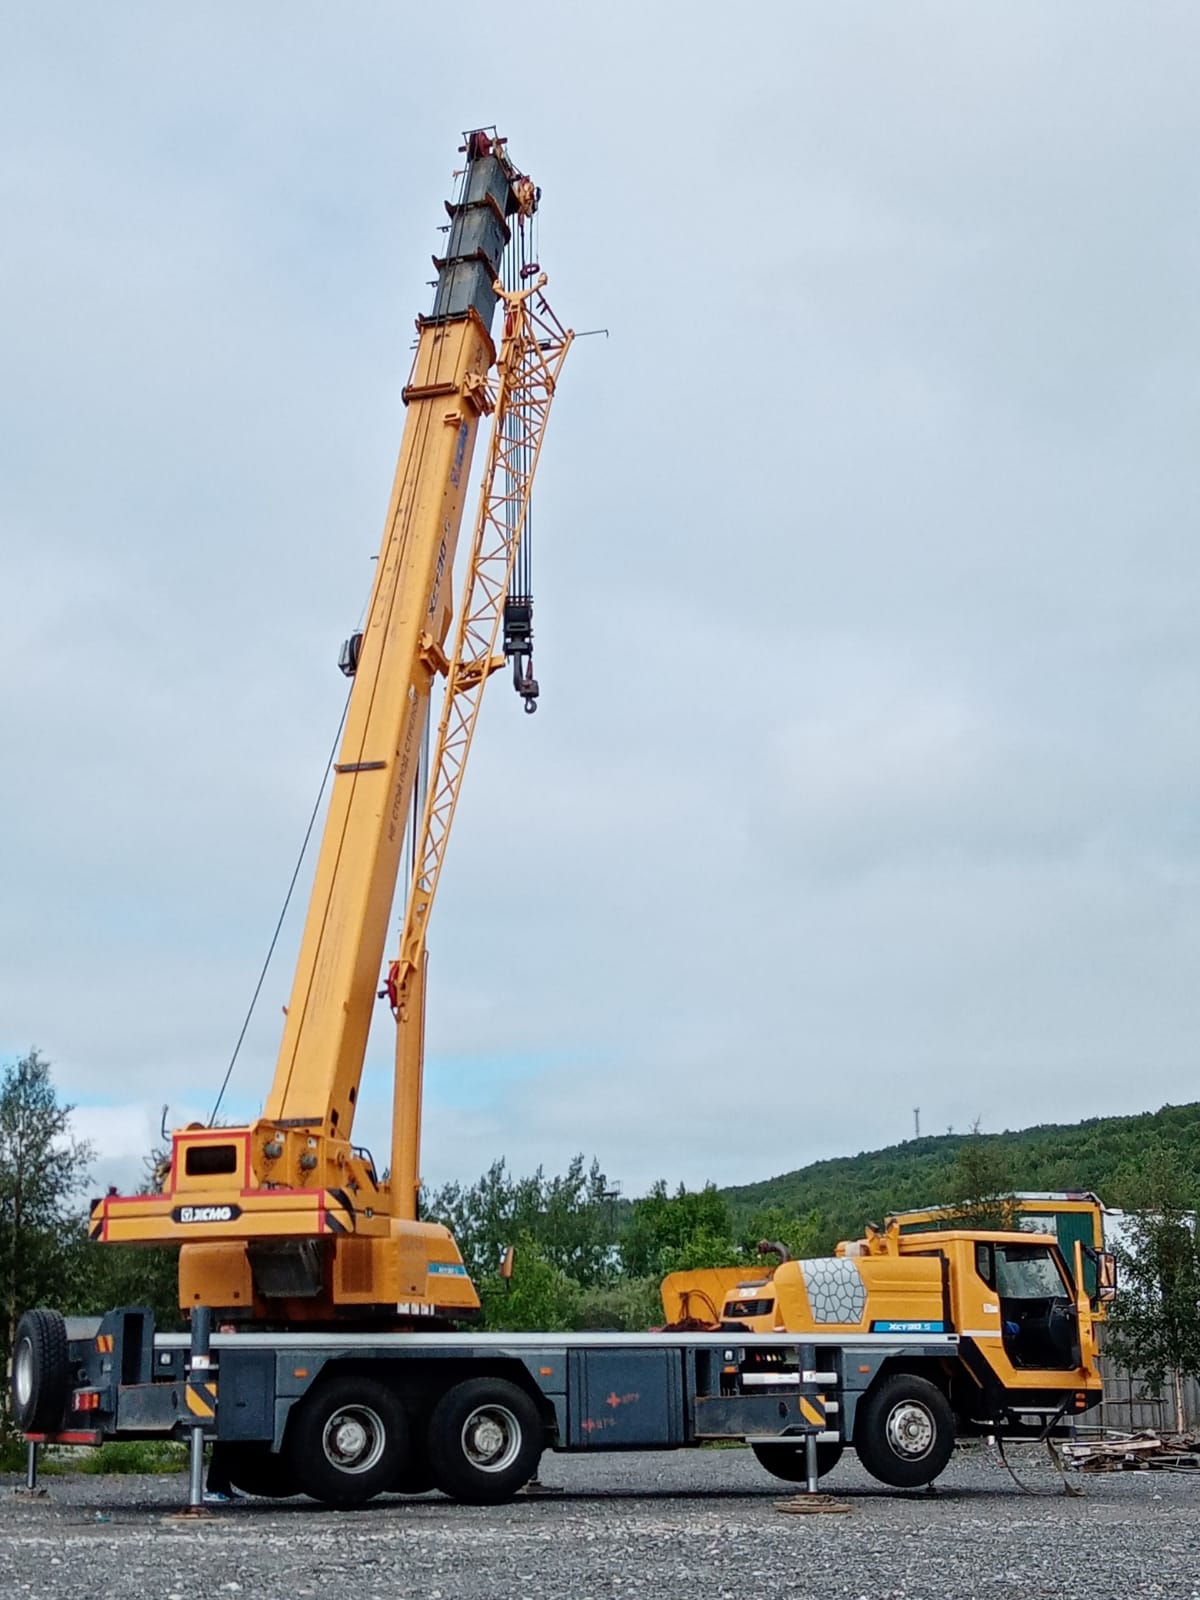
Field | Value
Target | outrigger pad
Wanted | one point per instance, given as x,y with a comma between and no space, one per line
810,1504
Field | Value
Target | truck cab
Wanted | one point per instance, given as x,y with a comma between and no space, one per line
1027,1335
1025,1350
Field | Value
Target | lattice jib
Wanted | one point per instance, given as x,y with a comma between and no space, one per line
534,347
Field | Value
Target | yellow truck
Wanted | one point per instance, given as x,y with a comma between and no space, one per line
1020,1360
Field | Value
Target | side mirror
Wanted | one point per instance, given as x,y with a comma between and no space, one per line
1103,1265
1106,1275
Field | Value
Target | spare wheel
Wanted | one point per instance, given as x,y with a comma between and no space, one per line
41,1372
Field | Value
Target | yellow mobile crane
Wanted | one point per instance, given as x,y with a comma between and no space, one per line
285,1220
332,1372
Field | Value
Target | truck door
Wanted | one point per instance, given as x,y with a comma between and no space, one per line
1038,1317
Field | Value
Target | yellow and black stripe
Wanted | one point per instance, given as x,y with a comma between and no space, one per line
812,1409
338,1213
201,1398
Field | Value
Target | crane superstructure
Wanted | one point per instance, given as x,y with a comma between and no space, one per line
285,1219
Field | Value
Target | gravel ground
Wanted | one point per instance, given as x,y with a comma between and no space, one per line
691,1524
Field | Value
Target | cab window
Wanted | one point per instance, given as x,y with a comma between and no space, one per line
985,1263
1028,1272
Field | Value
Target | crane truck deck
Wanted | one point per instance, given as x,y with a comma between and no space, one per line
336,1368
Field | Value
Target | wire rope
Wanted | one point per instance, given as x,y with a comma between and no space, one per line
283,913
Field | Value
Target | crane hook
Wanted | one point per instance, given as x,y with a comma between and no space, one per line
525,683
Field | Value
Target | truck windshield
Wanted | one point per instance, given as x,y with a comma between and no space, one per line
748,1308
1028,1272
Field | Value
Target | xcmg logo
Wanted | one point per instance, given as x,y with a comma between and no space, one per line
206,1213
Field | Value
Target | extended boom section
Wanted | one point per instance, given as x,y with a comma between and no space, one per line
286,1219
534,348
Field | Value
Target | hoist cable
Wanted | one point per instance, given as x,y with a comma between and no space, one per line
517,453
279,925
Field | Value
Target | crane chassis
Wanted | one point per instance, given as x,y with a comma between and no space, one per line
346,1417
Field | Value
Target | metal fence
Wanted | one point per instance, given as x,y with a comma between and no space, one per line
1129,1406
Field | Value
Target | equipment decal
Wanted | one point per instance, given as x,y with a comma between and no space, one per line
206,1213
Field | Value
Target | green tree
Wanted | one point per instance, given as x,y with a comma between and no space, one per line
800,1236
486,1216
571,1218
538,1295
575,1224
677,1232
43,1169
1154,1322
979,1190
104,1276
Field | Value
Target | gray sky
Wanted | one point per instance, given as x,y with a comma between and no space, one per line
866,772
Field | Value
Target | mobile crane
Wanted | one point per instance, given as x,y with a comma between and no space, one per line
286,1221
334,1371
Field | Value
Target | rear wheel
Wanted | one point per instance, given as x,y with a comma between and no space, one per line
485,1441
787,1461
41,1372
904,1431
347,1441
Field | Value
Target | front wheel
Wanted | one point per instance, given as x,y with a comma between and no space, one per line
347,1441
787,1461
485,1441
904,1431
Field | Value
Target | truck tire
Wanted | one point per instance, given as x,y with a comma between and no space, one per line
41,1372
347,1441
485,1441
904,1431
786,1461
255,1469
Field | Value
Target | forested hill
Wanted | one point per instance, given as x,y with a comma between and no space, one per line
848,1191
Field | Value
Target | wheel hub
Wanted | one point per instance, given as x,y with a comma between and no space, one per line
910,1430
23,1373
491,1438
354,1439
350,1439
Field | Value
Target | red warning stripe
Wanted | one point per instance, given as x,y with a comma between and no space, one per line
91,1436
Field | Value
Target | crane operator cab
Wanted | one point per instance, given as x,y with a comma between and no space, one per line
1039,1319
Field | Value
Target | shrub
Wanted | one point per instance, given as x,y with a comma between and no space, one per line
147,1456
